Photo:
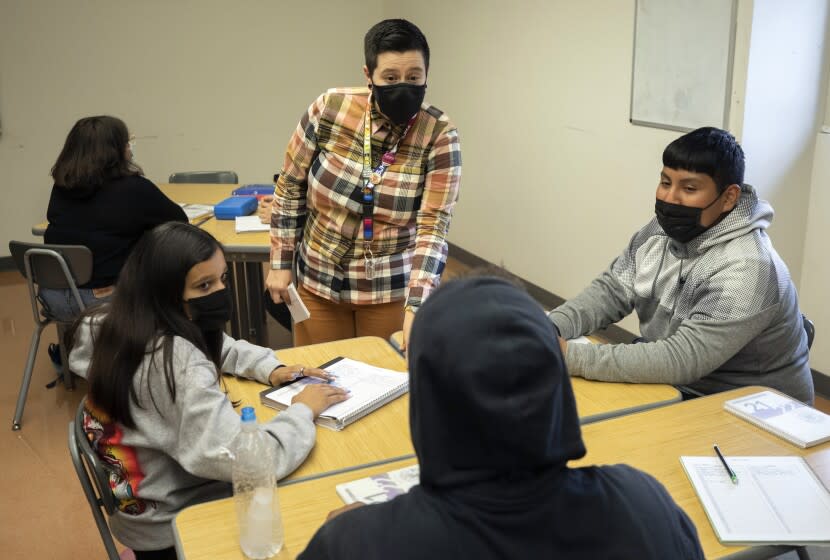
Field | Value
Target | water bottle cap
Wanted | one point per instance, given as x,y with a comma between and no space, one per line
248,414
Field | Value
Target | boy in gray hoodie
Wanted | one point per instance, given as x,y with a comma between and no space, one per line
716,304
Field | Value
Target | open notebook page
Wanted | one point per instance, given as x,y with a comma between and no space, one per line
365,383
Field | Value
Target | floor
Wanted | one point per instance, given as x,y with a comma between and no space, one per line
43,512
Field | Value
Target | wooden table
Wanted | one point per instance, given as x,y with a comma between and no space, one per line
381,436
599,400
653,441
209,531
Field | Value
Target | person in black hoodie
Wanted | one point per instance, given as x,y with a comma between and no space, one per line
101,200
494,424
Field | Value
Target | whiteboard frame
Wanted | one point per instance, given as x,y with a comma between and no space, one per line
727,85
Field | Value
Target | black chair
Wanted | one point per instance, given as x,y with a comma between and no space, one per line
810,329
60,267
94,480
220,177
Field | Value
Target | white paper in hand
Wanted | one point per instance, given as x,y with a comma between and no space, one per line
299,312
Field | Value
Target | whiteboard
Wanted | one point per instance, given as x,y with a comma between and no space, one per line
682,72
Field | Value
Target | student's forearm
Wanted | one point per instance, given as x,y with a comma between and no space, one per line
603,302
694,351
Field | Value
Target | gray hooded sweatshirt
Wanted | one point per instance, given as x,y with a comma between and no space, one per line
716,313
176,455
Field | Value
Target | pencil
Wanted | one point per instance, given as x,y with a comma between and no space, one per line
729,471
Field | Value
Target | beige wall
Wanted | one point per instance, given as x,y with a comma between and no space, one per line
204,84
784,111
555,178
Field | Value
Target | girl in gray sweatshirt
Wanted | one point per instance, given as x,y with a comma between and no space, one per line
156,412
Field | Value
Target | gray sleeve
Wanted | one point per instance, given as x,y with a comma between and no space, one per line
697,348
243,359
208,424
606,300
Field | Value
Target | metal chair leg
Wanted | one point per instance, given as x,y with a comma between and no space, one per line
27,377
68,378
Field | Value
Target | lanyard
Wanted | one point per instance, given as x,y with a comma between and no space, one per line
371,179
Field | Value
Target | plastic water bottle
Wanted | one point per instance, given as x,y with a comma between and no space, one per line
255,491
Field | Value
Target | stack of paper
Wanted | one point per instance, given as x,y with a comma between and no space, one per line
250,223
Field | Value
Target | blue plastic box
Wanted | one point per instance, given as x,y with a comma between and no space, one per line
254,189
235,206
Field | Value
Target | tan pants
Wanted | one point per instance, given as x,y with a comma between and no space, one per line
336,321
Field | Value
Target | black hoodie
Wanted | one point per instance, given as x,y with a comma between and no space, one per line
494,424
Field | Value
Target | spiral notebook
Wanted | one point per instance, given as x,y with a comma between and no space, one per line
370,388
776,500
783,416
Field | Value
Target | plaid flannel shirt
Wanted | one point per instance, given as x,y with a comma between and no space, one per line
317,206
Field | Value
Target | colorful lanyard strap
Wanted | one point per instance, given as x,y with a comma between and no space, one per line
371,179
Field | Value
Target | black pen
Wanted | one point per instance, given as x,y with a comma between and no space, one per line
729,471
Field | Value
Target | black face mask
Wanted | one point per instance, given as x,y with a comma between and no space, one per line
211,312
681,223
399,101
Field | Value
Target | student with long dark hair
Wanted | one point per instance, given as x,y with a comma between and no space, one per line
101,200
494,424
156,413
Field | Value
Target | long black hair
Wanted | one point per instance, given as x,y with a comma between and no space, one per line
146,312
95,152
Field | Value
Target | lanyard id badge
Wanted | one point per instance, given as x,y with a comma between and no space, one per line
371,179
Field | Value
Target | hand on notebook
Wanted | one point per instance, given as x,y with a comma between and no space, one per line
264,209
335,512
284,374
319,396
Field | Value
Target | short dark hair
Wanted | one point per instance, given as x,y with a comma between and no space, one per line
395,35
708,150
95,152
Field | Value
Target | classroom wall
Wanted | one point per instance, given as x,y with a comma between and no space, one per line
204,84
556,179
814,286
786,155
783,113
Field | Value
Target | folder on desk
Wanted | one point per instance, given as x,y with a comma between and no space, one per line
196,211
370,388
777,500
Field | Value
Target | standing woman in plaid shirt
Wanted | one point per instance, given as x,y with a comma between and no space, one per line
365,195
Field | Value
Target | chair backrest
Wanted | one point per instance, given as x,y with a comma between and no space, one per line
810,329
58,267
52,266
222,177
94,479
